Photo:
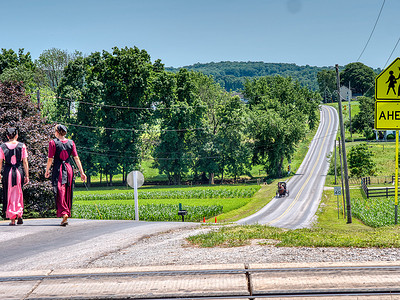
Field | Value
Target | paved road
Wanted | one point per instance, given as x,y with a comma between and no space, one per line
43,244
306,186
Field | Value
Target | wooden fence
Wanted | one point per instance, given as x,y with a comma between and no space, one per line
378,191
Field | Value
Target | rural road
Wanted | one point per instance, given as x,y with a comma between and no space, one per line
43,244
306,186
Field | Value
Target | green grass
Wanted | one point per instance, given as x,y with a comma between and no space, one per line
330,231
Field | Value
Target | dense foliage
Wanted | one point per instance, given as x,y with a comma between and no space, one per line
282,111
360,77
361,161
16,109
363,122
233,75
122,108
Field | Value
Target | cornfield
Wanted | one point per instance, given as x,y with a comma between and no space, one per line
237,192
374,212
147,212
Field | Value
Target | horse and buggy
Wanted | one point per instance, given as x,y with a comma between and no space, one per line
282,191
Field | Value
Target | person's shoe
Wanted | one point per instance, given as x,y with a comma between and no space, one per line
20,221
64,221
12,222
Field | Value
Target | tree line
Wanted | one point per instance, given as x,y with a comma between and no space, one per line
122,109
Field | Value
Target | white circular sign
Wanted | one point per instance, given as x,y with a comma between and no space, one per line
139,179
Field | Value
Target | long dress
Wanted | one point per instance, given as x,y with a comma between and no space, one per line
63,174
13,177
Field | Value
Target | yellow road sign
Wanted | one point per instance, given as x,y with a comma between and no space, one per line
387,115
387,83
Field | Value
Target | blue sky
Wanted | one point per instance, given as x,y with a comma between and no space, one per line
184,32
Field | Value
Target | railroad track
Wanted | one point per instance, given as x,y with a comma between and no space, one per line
225,283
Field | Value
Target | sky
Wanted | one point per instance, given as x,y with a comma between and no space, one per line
184,32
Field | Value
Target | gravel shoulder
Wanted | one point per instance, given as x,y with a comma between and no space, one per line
171,248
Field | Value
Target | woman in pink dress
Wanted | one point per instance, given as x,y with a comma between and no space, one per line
14,154
60,151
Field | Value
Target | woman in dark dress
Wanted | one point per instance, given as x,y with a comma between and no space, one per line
16,172
61,150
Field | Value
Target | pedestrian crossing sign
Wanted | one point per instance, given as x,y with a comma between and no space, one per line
387,83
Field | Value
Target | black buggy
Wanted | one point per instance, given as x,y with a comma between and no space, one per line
282,190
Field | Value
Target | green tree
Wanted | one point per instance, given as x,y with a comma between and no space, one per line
126,80
180,120
221,146
80,91
9,60
52,63
110,104
234,144
327,84
20,73
361,78
282,112
361,161
48,103
363,122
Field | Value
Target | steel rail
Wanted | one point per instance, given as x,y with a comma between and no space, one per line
243,271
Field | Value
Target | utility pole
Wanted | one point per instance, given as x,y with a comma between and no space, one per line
38,99
341,172
335,162
345,171
350,94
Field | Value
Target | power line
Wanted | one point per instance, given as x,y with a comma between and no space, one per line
136,130
158,158
143,130
376,22
128,107
102,150
392,53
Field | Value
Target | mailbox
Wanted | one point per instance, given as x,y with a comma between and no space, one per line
182,213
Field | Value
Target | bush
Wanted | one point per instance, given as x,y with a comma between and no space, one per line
360,161
39,200
390,136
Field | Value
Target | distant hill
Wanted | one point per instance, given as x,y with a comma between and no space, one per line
232,75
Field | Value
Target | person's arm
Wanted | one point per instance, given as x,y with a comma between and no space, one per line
1,166
49,163
78,163
26,169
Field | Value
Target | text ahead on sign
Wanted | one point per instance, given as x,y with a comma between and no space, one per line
387,83
387,115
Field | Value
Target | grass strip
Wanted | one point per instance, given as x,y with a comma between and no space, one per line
331,230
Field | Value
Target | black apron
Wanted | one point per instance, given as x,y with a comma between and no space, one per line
60,146
17,151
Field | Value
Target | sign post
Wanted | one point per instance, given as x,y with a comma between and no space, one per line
337,191
135,179
396,189
387,112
